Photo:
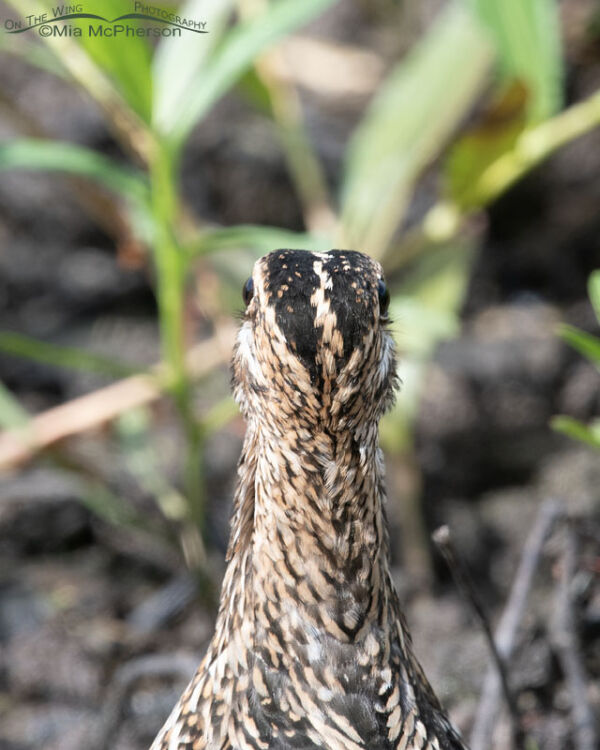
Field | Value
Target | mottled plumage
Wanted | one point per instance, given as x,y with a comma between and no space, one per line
311,649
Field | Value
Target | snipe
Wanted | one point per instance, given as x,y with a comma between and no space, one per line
311,649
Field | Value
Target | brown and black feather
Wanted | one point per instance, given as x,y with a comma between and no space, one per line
311,649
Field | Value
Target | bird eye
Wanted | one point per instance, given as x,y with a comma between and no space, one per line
384,298
248,291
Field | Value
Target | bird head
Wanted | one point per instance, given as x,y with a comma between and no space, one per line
314,344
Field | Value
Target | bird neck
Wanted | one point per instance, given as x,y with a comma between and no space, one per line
318,532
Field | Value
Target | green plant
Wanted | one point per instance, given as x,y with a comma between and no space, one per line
589,347
151,103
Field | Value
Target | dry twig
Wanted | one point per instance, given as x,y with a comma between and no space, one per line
485,718
105,404
564,637
445,543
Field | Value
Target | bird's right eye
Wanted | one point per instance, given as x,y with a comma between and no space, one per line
384,298
248,291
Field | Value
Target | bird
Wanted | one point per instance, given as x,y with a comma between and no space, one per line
311,648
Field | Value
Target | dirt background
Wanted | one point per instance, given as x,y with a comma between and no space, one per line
101,628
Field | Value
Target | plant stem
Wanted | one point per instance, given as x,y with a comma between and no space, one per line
447,218
536,144
169,270
170,280
303,163
131,131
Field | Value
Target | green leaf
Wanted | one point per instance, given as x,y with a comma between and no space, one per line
232,251
113,69
108,506
536,143
219,415
125,59
527,36
425,308
583,342
252,88
421,326
237,52
396,428
142,460
407,125
59,156
589,434
32,53
12,414
594,292
424,311
178,64
258,238
63,356
492,136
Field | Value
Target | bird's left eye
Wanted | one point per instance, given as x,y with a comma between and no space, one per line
248,291
384,298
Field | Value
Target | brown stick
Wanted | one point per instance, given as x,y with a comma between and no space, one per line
445,543
564,637
485,718
105,404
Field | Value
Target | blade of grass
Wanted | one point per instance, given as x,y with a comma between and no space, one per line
33,54
535,144
60,156
425,311
64,356
258,238
133,431
77,161
416,110
170,267
107,403
170,261
236,53
285,108
573,428
219,415
127,124
232,251
494,134
527,36
178,63
108,506
583,342
594,292
125,60
12,414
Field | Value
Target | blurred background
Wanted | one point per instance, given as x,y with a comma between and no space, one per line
456,141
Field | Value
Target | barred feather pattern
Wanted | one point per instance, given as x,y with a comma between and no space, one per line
311,649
